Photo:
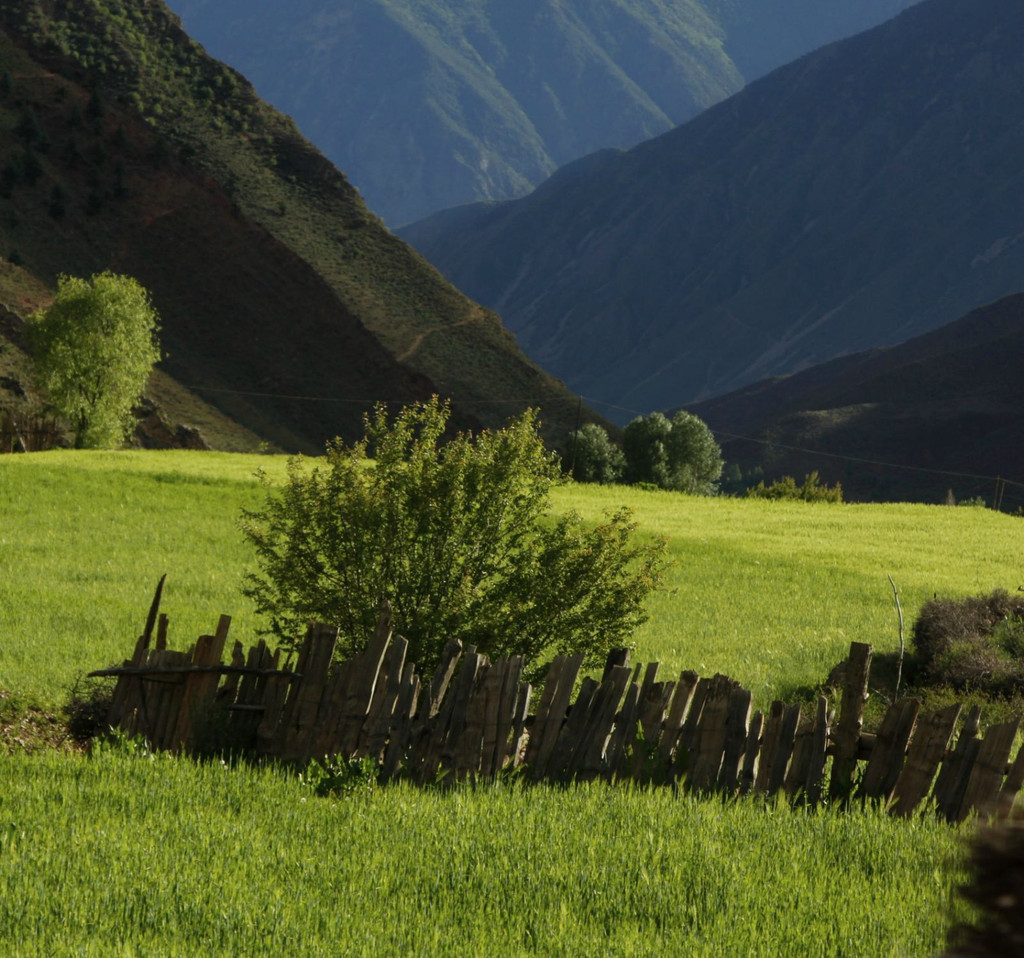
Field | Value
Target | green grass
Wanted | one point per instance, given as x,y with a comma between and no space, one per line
771,593
133,855
217,860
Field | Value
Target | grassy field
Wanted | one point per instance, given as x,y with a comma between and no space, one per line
132,854
122,855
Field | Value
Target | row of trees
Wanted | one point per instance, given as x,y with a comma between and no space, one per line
678,453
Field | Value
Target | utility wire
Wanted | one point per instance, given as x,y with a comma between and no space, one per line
591,400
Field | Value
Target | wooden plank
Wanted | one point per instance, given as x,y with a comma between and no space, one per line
548,731
362,684
1008,793
816,760
295,736
588,759
517,746
374,734
468,742
956,767
890,750
431,701
402,727
709,738
924,753
784,747
622,738
540,720
851,719
161,632
800,764
196,693
651,717
626,745
684,754
682,695
751,752
451,719
229,687
503,732
769,745
571,732
740,702
989,768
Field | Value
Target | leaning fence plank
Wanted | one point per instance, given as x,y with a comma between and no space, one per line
709,740
816,759
851,719
467,743
924,754
622,739
402,725
681,697
571,730
769,745
989,767
546,730
799,766
1014,781
751,752
889,751
740,701
956,767
517,746
791,717
588,758
295,739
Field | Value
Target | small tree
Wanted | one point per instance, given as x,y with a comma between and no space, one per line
680,453
595,458
455,536
645,443
694,458
94,349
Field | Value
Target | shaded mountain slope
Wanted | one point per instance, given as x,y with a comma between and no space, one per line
427,105
431,104
950,401
273,280
862,195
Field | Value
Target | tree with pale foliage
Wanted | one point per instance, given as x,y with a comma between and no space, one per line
94,349
456,535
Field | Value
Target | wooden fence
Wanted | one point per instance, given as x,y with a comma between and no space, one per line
21,433
473,721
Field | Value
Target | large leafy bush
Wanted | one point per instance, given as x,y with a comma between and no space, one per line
455,535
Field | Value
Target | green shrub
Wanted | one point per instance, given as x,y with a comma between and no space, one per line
812,490
455,536
977,641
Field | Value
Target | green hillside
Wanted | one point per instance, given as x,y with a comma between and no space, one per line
286,304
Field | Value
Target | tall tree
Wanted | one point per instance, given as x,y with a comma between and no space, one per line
94,349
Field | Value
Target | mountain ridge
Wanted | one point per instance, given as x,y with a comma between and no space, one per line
274,281
859,196
428,105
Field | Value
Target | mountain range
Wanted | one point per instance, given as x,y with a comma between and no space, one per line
428,105
938,413
286,305
867,193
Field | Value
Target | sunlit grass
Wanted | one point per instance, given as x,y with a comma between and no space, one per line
771,593
132,855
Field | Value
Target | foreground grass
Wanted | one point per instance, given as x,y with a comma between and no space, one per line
120,854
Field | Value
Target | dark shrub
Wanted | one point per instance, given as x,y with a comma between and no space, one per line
977,641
